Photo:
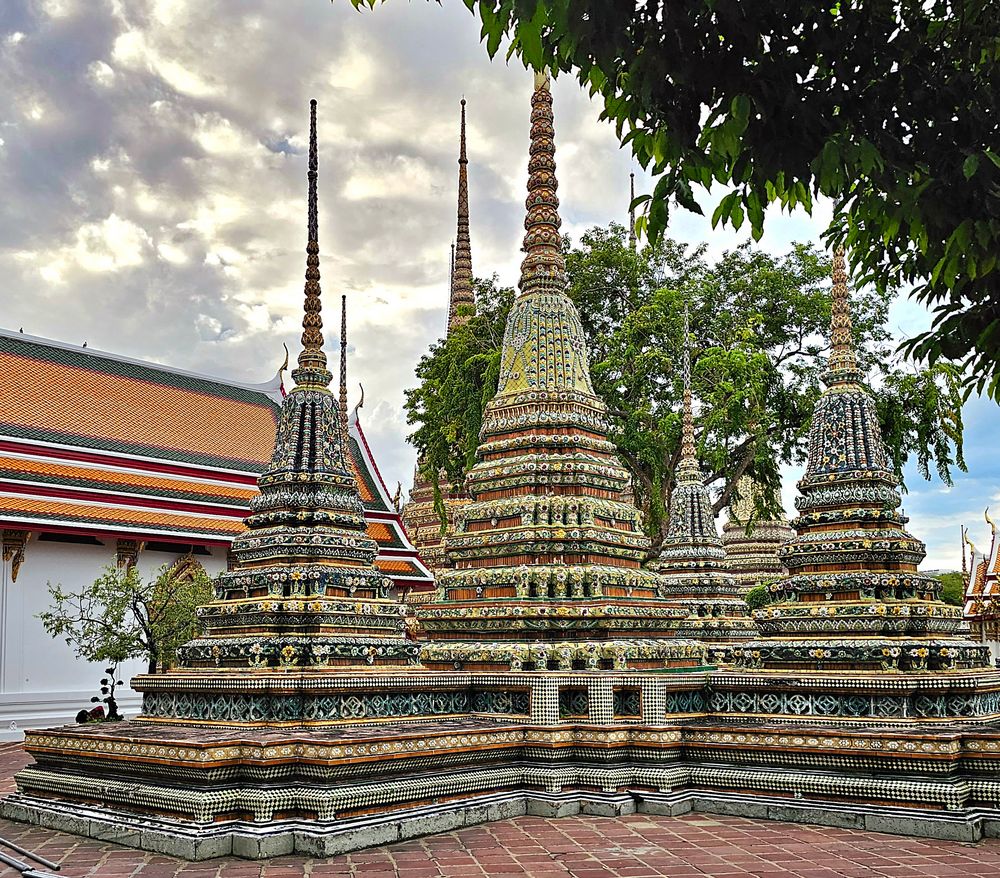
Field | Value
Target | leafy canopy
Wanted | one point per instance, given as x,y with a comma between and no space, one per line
891,109
122,616
953,588
759,324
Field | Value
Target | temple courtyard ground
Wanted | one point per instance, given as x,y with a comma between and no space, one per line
638,846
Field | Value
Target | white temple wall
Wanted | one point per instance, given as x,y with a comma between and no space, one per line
42,681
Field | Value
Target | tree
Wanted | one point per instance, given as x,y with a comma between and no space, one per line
122,616
888,108
759,324
457,378
952,588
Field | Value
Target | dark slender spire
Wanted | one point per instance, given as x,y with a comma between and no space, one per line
964,566
543,267
343,367
312,369
631,212
462,293
688,470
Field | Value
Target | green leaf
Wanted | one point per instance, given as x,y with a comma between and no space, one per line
970,165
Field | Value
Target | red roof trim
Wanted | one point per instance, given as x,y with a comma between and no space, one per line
110,498
56,452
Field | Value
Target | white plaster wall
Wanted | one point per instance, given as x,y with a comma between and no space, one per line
42,681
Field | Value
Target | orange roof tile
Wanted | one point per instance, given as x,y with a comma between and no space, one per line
27,469
95,400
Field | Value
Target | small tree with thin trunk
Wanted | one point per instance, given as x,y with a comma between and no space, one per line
122,616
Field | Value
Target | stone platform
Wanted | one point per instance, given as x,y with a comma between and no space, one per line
543,744
632,846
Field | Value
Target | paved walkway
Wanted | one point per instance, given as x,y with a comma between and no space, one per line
640,846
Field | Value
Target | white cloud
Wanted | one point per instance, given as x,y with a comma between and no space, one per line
101,73
106,246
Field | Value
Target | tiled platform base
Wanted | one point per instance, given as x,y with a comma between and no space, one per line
321,839
549,743
641,845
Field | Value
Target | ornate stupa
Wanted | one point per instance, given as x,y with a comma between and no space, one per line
692,562
420,516
752,543
547,558
302,590
853,598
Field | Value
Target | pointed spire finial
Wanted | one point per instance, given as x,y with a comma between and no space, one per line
312,371
462,293
842,365
688,470
343,366
543,267
964,566
631,212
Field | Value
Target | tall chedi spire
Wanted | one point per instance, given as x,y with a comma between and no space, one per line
547,560
463,301
691,562
853,597
631,212
752,543
421,517
303,590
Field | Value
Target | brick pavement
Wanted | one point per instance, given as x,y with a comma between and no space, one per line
639,846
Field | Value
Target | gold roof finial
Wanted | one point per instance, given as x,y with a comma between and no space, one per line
543,267
312,371
971,545
990,521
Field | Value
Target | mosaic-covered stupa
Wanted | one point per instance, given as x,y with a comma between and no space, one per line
420,514
853,599
302,590
547,558
752,543
691,561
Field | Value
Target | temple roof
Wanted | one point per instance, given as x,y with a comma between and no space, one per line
982,588
73,396
93,442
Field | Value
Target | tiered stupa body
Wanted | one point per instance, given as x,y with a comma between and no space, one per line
302,591
547,558
853,599
752,544
691,562
420,514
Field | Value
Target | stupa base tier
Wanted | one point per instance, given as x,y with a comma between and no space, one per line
201,794
863,654
493,656
299,650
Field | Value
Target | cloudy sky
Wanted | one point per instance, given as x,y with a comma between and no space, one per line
152,172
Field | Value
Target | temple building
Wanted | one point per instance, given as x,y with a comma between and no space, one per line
751,543
108,460
853,599
420,514
691,561
982,591
547,559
